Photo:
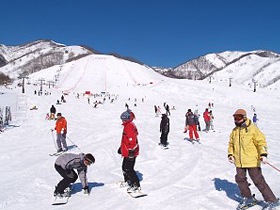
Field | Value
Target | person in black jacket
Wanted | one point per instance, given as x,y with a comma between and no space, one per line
164,129
53,111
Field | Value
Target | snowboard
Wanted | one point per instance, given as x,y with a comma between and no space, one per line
138,194
63,200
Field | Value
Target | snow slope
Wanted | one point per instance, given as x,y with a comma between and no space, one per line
186,176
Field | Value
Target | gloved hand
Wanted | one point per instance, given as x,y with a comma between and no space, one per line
62,131
86,190
264,159
231,159
119,151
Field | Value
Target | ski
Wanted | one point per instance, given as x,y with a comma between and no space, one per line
56,153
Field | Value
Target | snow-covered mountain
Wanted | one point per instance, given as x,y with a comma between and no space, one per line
35,56
242,67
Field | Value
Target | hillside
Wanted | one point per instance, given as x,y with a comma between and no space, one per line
242,67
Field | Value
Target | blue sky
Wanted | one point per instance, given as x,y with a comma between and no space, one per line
159,33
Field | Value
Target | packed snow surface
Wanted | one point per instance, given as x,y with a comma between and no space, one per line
185,176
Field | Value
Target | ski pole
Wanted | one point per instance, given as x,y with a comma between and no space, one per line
273,167
73,143
54,140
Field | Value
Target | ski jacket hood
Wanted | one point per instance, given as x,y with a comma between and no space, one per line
246,144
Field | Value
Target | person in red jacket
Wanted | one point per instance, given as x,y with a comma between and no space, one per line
206,117
129,150
61,131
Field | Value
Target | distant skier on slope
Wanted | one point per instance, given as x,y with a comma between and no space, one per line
52,111
247,148
61,131
191,122
129,150
255,119
156,112
167,110
164,129
206,117
211,120
65,165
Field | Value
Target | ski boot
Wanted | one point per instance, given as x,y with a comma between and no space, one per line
133,189
272,205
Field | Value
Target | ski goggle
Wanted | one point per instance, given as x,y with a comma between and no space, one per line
88,161
238,117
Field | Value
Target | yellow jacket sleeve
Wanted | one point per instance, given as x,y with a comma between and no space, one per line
230,145
260,142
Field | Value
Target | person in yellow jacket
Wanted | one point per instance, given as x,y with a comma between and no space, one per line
247,149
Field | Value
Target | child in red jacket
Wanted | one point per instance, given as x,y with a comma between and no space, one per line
129,150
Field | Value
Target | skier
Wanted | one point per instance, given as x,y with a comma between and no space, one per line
164,129
191,122
206,117
52,111
211,120
65,165
167,110
62,98
156,112
129,150
255,119
126,106
247,148
88,100
61,131
197,115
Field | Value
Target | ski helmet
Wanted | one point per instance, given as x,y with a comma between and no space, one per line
89,157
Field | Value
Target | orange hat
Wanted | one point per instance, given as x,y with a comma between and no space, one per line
240,112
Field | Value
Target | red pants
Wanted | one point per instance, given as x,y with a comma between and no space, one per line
192,128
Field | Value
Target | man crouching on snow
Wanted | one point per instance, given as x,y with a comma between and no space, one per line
247,148
65,165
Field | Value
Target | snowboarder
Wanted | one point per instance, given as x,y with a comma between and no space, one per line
61,131
206,117
247,149
65,165
52,111
58,102
129,150
211,120
191,122
164,129
255,119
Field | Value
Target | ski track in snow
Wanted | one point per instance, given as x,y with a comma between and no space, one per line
185,176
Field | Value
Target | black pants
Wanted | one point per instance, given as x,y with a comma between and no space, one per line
69,176
128,171
163,139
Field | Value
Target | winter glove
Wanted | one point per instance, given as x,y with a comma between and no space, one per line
119,151
131,153
231,159
86,190
264,159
